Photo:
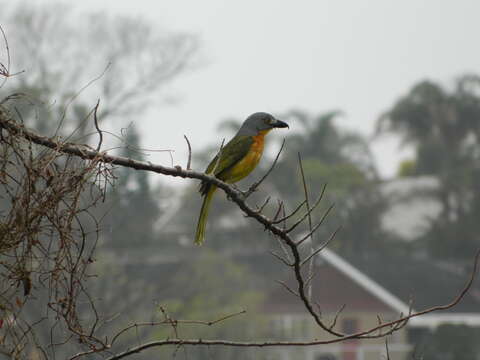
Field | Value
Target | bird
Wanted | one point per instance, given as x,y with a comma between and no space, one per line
236,160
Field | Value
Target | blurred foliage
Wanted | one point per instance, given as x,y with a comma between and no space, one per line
133,205
407,168
209,288
68,65
443,127
459,342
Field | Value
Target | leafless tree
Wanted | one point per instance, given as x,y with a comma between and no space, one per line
126,62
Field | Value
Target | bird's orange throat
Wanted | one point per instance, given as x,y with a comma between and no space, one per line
250,161
259,141
256,150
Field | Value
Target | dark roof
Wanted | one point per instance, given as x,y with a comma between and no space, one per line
423,281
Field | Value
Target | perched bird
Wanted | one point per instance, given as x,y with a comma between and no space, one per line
237,159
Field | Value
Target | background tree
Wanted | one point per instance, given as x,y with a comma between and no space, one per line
443,127
136,203
448,341
126,62
193,292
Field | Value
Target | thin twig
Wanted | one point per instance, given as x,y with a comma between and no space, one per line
304,216
337,314
305,193
323,246
310,278
277,221
189,161
310,234
279,210
280,258
95,121
288,288
285,252
265,203
315,228
183,322
386,349
5,69
77,94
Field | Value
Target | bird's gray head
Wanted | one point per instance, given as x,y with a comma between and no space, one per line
260,121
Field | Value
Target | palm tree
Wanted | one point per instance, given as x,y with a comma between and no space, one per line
444,128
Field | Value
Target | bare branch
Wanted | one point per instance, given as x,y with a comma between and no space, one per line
277,221
305,193
308,212
189,161
315,228
280,258
265,203
76,95
337,314
288,288
5,69
386,349
95,121
324,245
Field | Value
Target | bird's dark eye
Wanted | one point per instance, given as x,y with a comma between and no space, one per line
269,120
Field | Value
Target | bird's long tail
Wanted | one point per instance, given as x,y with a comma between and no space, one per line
202,219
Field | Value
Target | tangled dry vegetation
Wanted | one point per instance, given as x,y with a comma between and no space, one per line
47,239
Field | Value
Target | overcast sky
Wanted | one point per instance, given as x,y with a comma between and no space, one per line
358,56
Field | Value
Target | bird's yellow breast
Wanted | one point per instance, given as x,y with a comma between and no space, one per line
250,161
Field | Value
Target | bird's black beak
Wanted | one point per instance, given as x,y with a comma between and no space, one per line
280,124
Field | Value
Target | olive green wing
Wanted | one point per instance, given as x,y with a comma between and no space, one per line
235,150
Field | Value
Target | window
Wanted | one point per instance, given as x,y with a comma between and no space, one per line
349,326
325,356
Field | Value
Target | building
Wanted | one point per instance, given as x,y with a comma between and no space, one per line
365,298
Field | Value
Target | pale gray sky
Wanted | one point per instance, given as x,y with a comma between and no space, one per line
273,55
